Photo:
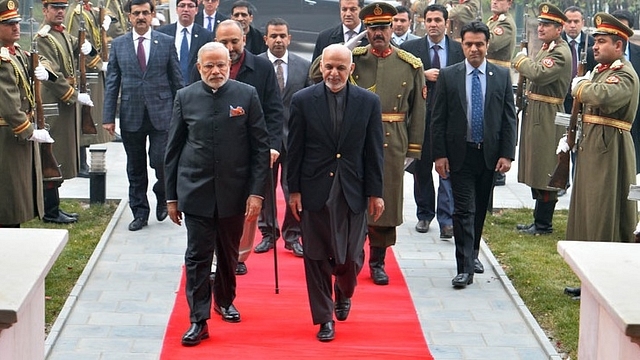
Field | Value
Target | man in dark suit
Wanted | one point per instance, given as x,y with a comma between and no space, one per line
216,178
335,174
186,33
257,72
350,26
144,70
448,52
242,12
208,16
292,75
474,135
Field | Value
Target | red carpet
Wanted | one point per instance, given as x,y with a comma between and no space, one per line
382,324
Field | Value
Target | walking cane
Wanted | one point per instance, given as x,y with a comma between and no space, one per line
272,188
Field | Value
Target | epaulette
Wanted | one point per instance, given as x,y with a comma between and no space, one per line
44,31
78,9
360,50
409,58
4,54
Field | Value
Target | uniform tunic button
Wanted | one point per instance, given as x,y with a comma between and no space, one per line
387,134
404,83
338,156
385,145
395,108
399,96
331,174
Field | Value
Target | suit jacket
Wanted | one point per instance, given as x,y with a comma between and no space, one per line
333,36
216,157
297,78
313,148
410,36
591,63
218,18
450,116
255,41
154,88
199,37
634,59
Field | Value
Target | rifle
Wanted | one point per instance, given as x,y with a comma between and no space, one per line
104,51
560,175
521,96
87,124
50,168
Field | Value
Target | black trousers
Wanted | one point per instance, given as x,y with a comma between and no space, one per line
204,237
471,186
135,145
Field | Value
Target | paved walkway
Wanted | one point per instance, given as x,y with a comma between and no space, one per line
121,304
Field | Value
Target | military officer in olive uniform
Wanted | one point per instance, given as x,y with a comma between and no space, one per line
397,77
599,208
83,11
57,46
119,21
20,169
548,76
461,14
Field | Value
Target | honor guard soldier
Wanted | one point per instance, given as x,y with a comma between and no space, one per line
461,14
59,47
398,79
548,76
20,171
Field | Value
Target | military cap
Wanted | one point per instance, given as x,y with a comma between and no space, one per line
57,3
377,14
549,13
608,25
9,12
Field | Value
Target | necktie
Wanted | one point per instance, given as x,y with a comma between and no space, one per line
210,25
350,34
142,58
184,55
477,108
279,74
435,62
574,58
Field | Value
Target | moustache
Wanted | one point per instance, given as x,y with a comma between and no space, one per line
378,37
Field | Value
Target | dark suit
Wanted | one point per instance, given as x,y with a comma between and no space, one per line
335,175
472,169
591,63
146,102
634,59
215,160
199,37
202,21
333,36
297,78
254,42
423,189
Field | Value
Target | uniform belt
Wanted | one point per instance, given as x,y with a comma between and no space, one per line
3,123
71,81
502,63
601,120
545,98
393,117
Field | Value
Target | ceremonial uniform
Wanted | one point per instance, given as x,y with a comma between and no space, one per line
461,14
119,25
605,165
503,39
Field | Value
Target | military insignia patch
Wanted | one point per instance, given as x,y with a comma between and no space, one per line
548,62
498,30
424,92
613,79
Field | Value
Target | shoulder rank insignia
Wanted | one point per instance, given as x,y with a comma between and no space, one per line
617,65
4,54
78,9
360,50
409,58
44,31
502,17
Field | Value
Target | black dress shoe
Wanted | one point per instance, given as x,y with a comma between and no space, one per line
327,331
137,224
446,232
117,138
462,280
342,305
241,268
572,291
422,226
478,268
295,247
534,230
161,211
521,227
73,215
229,314
60,219
264,246
197,331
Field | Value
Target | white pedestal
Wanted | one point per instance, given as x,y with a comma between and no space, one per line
26,256
609,311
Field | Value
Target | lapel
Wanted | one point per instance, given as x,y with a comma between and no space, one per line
195,41
423,53
322,109
153,48
337,34
350,112
128,45
461,78
492,83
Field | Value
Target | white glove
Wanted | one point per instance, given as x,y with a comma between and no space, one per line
86,47
562,145
578,79
41,73
155,22
524,52
85,99
160,17
106,23
355,41
41,136
105,64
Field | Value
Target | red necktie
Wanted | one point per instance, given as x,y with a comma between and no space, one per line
142,59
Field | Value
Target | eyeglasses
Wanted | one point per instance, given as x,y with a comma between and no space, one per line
183,5
143,13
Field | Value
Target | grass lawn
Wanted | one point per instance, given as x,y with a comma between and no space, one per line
538,273
83,238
